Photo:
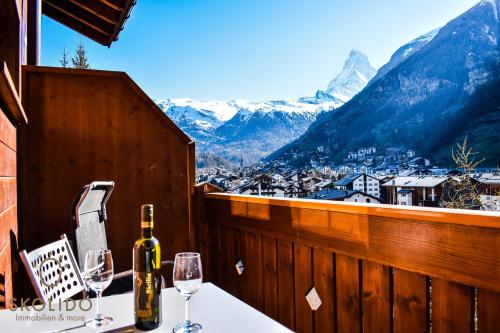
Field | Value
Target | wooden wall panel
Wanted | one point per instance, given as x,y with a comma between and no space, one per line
324,282
329,246
410,302
7,132
251,279
411,238
451,307
229,278
270,277
8,161
303,284
348,298
8,206
8,190
377,309
90,125
488,311
286,287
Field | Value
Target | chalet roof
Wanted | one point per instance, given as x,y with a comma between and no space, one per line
350,178
414,181
488,178
99,20
330,194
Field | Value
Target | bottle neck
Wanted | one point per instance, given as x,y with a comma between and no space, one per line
146,232
147,229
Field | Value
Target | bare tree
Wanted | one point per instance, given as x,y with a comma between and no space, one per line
462,191
64,61
80,59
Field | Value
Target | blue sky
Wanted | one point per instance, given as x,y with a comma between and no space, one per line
254,50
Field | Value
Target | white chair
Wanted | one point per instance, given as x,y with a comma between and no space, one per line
53,271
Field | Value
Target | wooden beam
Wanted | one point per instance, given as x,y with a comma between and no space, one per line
34,28
115,4
74,24
9,97
99,9
68,8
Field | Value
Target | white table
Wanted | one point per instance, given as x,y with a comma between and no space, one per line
216,310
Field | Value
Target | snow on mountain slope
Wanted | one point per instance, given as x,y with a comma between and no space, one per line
427,97
239,128
355,75
404,52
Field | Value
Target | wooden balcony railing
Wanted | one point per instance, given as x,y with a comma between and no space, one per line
376,268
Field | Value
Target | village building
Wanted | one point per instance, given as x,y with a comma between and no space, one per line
360,182
415,190
343,195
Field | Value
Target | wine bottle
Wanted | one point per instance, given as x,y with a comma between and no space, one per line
147,275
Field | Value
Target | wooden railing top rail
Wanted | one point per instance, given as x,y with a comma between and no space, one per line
428,214
455,245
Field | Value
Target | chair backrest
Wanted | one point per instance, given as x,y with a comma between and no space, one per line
89,216
53,271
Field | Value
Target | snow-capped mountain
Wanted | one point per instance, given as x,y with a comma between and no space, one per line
355,75
198,119
405,52
433,92
251,130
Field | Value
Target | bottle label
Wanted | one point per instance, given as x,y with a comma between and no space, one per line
147,295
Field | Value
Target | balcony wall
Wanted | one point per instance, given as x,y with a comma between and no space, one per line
376,268
88,125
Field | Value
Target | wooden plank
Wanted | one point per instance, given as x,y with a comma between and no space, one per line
428,214
7,161
348,298
8,223
270,277
9,96
488,311
229,250
451,307
411,241
7,131
251,279
73,23
5,276
8,193
324,282
286,289
74,111
81,15
115,4
303,283
99,9
410,302
377,309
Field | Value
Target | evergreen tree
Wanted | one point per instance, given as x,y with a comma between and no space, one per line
64,61
80,59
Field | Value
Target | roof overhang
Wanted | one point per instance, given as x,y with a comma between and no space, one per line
99,20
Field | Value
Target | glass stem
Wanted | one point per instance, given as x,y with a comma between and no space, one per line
98,314
187,312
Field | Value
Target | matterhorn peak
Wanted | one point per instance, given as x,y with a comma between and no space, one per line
355,75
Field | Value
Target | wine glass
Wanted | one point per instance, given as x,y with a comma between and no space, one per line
187,280
98,274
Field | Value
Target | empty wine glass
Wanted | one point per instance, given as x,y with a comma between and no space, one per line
98,274
187,280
